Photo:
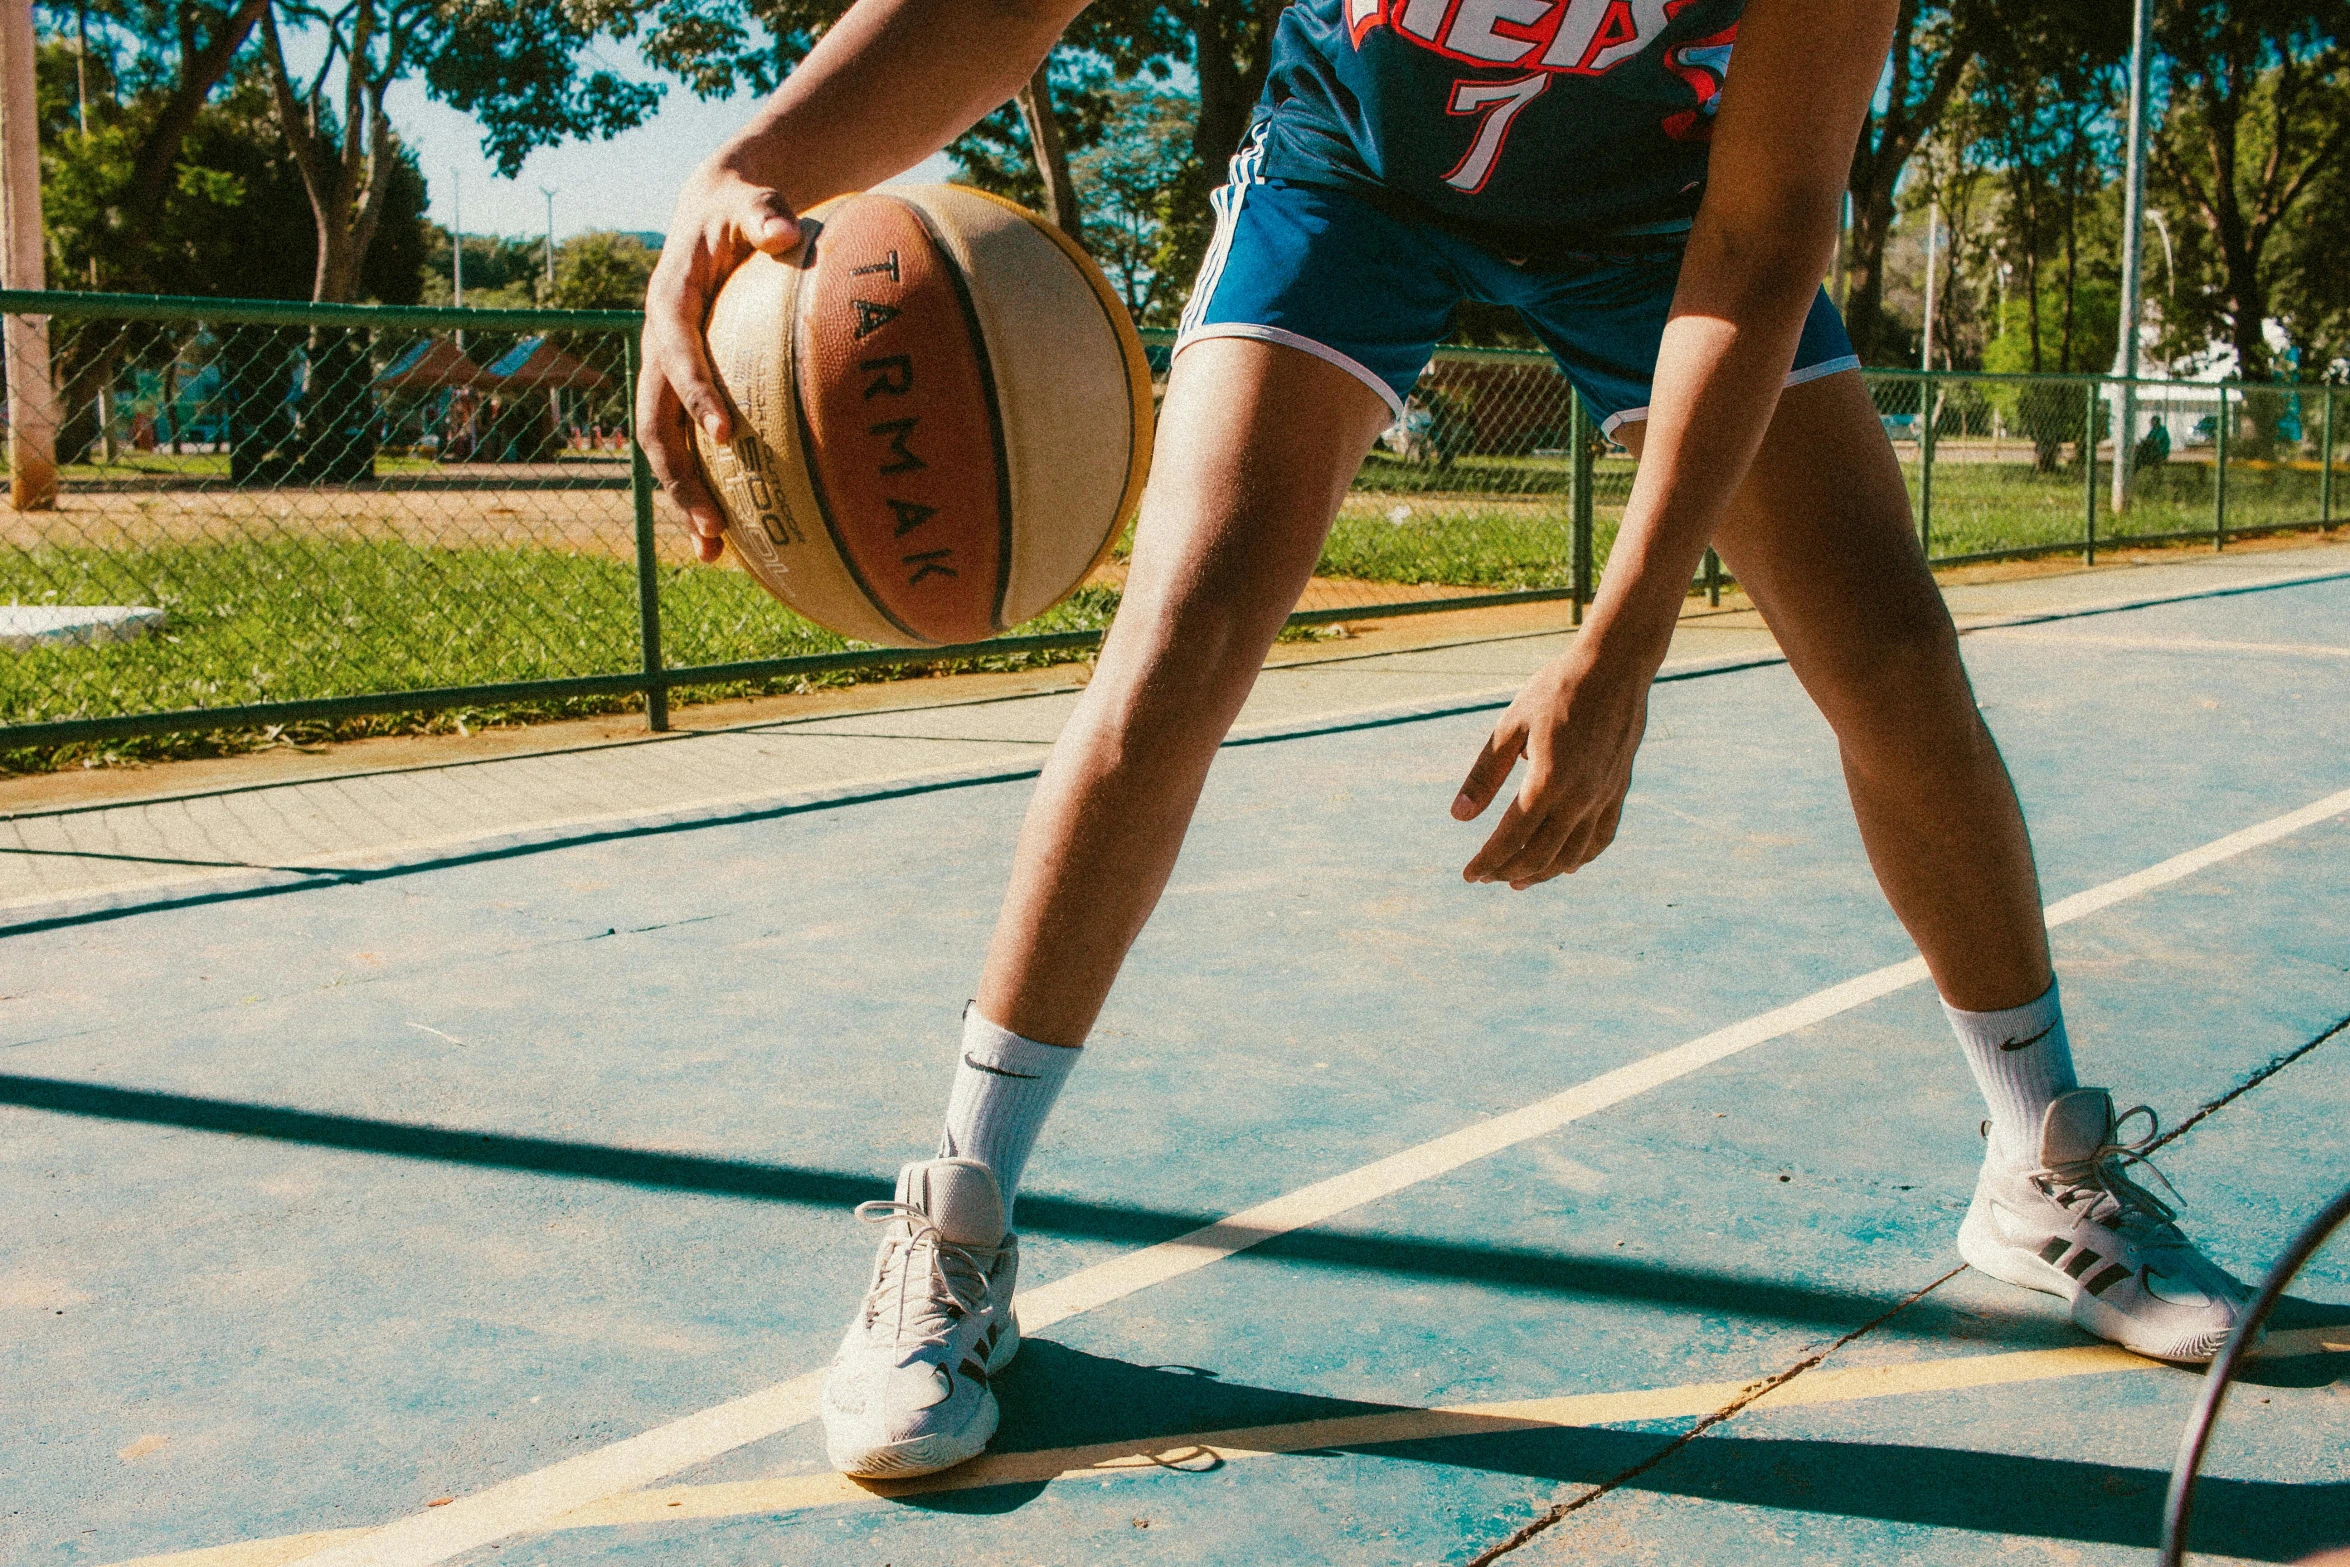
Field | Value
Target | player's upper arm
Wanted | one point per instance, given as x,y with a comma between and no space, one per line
1798,90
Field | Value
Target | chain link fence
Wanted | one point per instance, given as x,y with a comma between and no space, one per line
2012,466
236,516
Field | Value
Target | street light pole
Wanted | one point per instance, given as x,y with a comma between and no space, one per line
550,195
2125,359
1933,227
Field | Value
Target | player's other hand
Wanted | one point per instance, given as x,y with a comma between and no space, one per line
1577,729
721,218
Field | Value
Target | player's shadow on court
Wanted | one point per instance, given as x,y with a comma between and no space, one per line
1056,1397
1483,1265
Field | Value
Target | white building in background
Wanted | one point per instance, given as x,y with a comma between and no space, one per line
2184,393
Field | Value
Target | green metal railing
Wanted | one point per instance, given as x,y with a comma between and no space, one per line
354,511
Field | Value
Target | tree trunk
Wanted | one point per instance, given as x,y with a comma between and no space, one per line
1864,277
1913,106
201,68
1050,154
1232,50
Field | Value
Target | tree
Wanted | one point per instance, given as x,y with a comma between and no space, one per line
1931,48
721,47
185,50
1137,180
235,220
2046,92
2258,121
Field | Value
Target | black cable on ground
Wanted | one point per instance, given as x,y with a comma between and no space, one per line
2178,1506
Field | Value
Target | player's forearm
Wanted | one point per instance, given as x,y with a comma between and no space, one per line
890,84
1724,357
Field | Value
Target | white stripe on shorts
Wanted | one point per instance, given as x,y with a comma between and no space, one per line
1225,199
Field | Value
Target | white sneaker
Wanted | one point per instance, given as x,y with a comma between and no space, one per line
2080,1228
908,1392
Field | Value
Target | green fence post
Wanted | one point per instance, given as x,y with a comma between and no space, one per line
2089,474
1926,466
648,579
2219,473
1713,577
2325,472
1580,424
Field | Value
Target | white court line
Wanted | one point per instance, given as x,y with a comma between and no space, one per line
2177,644
532,1501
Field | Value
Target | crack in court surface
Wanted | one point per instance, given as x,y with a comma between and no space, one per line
2276,1346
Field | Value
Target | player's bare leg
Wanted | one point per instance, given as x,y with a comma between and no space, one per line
1820,537
1257,444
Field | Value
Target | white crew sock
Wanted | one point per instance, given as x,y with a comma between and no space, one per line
1004,1088
2022,1062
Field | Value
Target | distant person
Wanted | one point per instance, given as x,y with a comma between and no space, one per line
1567,160
2153,448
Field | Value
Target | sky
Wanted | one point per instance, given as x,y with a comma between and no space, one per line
628,183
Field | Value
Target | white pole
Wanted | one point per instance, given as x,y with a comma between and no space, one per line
2125,359
457,236
550,195
1933,225
32,401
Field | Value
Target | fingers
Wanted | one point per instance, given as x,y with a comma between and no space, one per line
1491,769
668,441
767,223
722,221
1525,817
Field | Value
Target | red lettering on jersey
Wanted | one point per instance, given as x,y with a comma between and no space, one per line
1562,37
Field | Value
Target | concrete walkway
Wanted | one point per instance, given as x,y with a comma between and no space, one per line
75,861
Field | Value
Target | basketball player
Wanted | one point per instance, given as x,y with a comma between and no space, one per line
1661,222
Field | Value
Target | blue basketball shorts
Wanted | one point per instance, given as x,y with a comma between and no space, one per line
1323,270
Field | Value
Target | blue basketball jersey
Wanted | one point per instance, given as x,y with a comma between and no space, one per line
1530,125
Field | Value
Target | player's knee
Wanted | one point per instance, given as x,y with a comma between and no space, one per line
1904,679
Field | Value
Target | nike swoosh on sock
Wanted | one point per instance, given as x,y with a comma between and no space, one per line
1029,1077
2004,1044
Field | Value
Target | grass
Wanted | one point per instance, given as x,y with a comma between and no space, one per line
287,618
298,615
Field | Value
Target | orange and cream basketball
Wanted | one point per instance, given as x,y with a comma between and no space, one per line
943,416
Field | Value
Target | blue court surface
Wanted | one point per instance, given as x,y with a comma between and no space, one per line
519,1185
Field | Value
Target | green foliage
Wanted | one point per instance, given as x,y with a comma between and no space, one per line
235,223
603,272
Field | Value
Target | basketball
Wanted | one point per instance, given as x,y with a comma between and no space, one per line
943,416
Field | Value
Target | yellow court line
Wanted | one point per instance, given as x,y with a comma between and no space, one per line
1209,1449
2177,644
532,1501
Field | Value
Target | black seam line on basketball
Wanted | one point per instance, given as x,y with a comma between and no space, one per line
2026,1044
971,1061
995,412
1731,1410
813,469
2275,1065
1133,429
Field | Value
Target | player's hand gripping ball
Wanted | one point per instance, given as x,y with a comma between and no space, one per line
943,416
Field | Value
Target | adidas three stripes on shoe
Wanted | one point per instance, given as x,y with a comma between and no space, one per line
908,1393
2076,1226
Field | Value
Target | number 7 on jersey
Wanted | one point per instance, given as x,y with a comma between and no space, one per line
1498,103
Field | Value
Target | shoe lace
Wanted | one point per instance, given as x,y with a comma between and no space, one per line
925,1283
2098,1185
